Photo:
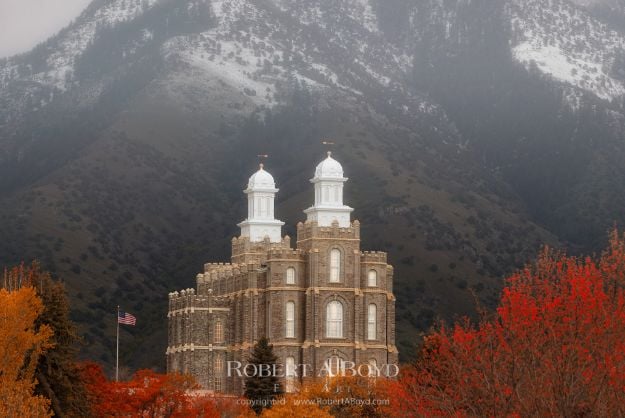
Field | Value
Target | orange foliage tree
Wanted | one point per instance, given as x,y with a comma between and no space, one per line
150,394
554,347
348,396
339,396
296,406
21,345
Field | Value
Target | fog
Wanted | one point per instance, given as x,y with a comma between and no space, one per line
25,23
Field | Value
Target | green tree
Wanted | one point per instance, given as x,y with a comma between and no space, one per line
263,386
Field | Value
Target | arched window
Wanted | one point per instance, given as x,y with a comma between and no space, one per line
373,367
334,320
372,322
218,371
290,275
334,365
290,374
372,278
335,266
290,320
219,332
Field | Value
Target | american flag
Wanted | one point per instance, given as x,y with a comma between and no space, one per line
126,318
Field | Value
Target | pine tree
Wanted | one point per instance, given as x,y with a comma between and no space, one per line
263,386
57,372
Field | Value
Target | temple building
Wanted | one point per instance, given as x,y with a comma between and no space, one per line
323,302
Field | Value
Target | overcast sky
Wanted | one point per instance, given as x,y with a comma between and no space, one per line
25,23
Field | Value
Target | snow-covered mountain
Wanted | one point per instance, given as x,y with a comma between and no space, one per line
328,44
60,54
255,48
244,40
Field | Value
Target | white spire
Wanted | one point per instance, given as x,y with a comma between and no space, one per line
260,223
329,205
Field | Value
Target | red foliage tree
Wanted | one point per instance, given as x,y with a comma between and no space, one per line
148,394
554,347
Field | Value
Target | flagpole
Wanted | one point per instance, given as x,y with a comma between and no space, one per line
117,351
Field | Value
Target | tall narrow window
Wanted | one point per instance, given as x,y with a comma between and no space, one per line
334,365
290,374
334,320
335,266
372,278
290,275
219,332
218,371
290,320
373,367
372,322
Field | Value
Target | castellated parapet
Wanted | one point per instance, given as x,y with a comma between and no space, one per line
373,257
310,230
245,251
324,300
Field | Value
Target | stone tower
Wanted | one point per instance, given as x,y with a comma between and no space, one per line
323,302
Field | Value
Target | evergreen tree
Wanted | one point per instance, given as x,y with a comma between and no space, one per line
57,372
263,386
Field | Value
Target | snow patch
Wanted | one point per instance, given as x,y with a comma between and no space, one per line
366,15
563,41
580,72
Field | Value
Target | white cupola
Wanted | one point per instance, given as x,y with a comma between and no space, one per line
260,223
329,205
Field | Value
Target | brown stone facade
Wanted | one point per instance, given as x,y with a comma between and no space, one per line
236,304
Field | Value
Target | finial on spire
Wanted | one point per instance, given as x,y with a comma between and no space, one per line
260,156
328,143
